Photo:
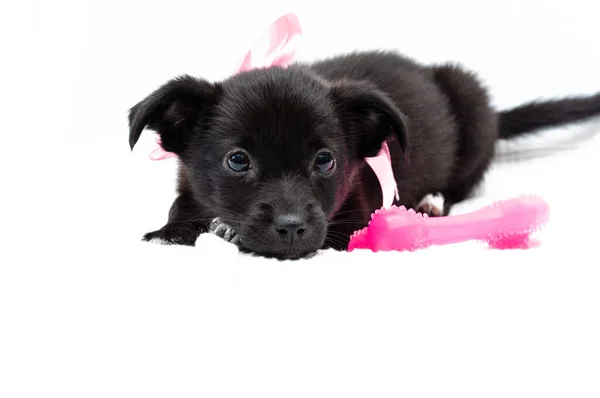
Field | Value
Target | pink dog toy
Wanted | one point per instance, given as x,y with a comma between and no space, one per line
503,225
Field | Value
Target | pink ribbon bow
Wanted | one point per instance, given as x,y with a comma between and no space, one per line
277,48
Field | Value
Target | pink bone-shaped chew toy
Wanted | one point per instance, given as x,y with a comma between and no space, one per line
503,225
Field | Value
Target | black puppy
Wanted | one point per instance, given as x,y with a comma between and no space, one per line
275,157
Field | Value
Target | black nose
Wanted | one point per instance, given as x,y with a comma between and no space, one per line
289,227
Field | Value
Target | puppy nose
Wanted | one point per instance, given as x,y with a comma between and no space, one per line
289,227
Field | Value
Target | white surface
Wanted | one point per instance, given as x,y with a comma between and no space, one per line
86,310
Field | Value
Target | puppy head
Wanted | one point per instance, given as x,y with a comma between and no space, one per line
273,152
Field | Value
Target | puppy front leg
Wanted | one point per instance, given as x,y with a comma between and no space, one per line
186,222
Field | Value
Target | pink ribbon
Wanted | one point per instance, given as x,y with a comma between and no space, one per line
382,166
281,45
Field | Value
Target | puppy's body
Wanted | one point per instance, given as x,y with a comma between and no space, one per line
451,127
437,121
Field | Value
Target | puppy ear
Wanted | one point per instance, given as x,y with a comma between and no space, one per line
173,111
369,117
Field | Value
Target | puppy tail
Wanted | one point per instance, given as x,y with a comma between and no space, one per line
532,116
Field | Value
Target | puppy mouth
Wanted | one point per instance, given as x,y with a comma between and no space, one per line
229,234
283,255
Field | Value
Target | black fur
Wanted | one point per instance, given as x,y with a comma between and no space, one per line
437,120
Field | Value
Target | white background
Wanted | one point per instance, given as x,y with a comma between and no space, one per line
87,310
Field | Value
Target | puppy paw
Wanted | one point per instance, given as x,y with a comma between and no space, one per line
173,235
432,205
225,231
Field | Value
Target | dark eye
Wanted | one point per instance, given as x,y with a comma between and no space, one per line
324,162
239,162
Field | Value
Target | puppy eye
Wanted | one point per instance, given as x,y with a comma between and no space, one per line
324,162
239,162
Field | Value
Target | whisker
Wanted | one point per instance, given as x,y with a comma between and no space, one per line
338,234
348,211
347,221
337,241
